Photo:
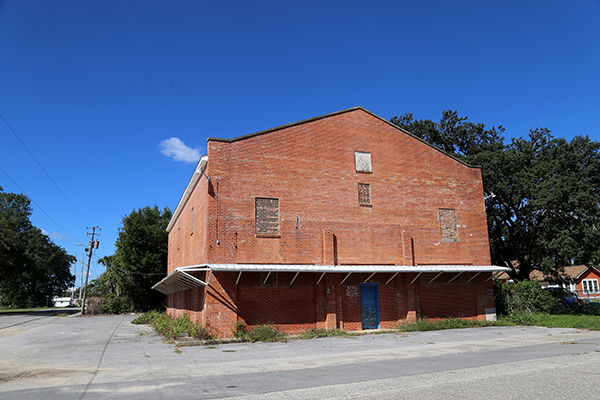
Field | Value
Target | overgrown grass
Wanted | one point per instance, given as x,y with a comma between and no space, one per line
446,323
322,332
261,333
581,321
171,328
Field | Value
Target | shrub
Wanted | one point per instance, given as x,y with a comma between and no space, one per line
267,333
261,333
518,301
200,332
92,305
147,318
240,331
115,305
171,328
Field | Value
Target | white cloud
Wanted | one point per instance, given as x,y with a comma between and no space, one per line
177,150
53,235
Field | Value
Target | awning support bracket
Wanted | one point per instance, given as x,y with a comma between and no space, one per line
455,276
415,278
346,277
322,275
370,276
473,277
294,278
267,277
435,277
393,276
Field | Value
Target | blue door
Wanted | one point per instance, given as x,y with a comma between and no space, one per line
369,304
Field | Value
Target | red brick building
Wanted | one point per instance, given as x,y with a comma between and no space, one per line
343,220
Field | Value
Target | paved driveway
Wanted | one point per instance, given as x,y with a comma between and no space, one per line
74,357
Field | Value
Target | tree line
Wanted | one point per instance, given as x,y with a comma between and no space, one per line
32,267
140,260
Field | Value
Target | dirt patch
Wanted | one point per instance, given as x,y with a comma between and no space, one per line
17,376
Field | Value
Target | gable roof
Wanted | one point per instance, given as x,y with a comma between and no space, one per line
353,109
201,166
572,272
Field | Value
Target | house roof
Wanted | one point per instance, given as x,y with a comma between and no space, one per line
180,279
572,272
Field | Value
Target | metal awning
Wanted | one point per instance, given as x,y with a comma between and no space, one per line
179,279
351,268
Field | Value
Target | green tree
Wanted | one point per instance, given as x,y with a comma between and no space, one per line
543,193
31,266
140,258
453,134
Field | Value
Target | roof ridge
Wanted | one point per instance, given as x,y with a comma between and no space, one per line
357,108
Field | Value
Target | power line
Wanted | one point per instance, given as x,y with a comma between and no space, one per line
109,266
42,168
38,206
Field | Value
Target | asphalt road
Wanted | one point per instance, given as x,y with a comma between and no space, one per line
72,357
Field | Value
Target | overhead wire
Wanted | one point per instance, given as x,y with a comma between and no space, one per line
108,266
38,206
42,168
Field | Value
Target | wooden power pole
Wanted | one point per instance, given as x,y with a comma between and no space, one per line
93,245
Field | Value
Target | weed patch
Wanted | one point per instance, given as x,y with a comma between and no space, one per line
172,328
322,332
261,333
581,321
447,323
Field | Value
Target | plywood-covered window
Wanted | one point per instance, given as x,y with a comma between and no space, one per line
448,225
267,217
362,161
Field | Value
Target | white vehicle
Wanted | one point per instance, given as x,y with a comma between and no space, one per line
62,302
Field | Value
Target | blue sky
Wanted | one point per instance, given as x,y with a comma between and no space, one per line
115,99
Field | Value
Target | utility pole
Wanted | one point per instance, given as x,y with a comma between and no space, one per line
93,245
81,276
75,283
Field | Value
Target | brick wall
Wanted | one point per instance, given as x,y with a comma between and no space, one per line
310,169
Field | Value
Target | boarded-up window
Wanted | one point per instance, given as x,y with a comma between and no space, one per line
364,194
267,216
362,161
448,225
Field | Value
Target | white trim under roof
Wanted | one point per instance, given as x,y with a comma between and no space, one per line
179,279
351,268
198,172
